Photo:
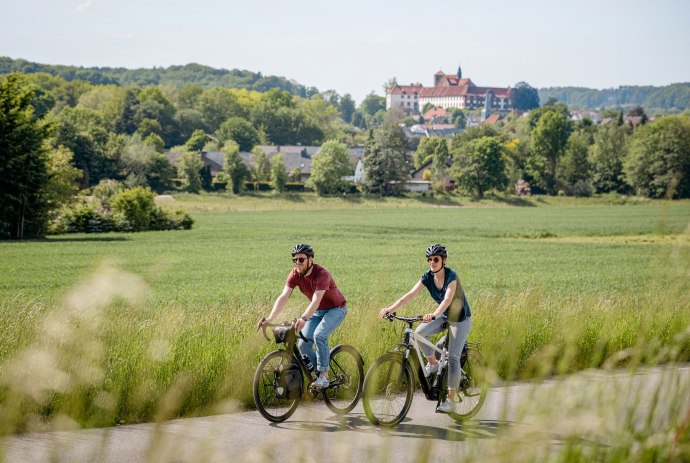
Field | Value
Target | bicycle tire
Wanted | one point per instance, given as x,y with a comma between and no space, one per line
388,390
347,379
265,387
473,388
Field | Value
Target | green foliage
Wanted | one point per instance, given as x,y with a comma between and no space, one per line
524,97
426,149
659,161
606,157
189,168
239,130
261,167
279,177
24,162
385,161
234,166
479,165
197,141
328,168
669,98
574,172
548,142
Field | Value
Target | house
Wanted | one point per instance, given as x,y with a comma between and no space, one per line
449,91
419,174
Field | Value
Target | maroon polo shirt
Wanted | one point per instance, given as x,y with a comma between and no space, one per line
319,279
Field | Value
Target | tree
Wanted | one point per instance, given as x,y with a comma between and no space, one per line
24,162
234,166
547,143
479,166
279,177
385,161
606,157
189,168
261,168
328,168
372,104
524,97
239,130
217,105
197,141
574,173
347,108
64,178
426,149
439,167
658,165
389,84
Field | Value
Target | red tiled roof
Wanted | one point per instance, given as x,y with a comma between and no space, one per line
406,89
492,119
435,112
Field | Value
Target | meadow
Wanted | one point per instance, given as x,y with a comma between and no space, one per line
119,328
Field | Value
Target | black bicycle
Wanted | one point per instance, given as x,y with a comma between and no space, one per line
283,377
390,382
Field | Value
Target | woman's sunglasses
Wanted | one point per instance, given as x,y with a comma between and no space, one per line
299,259
435,260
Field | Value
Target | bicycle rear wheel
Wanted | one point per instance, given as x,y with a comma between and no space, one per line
347,378
270,397
473,386
388,390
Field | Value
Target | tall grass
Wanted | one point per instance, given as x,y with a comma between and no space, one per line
109,329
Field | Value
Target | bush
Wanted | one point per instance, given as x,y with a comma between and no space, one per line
132,210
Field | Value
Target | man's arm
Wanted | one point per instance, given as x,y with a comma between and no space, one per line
311,308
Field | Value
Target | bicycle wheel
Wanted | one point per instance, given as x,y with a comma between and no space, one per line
347,377
388,389
473,387
270,396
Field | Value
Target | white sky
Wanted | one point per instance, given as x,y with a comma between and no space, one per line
355,46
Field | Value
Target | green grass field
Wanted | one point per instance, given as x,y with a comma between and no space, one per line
109,328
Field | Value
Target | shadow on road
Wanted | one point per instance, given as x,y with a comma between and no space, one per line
475,429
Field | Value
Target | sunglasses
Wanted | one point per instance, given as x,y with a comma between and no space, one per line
435,260
299,259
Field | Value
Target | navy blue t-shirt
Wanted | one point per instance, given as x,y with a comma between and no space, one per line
459,308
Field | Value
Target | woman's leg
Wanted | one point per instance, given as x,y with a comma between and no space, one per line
426,330
332,318
457,336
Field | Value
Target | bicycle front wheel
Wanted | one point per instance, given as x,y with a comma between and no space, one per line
347,377
270,395
388,390
473,386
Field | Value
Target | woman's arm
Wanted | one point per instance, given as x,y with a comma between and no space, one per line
411,294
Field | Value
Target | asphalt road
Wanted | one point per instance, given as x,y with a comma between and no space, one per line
520,421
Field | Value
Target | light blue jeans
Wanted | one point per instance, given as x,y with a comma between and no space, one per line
317,330
458,333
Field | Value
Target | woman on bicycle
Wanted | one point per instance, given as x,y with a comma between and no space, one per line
326,310
445,289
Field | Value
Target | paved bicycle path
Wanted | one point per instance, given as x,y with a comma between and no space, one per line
314,433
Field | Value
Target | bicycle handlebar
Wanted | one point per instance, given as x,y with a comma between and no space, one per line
289,324
390,316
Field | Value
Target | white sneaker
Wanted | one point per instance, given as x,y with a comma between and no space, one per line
429,369
448,406
321,382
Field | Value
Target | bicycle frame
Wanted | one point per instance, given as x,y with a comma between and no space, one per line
412,341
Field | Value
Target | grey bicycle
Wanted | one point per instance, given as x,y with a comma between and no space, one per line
390,382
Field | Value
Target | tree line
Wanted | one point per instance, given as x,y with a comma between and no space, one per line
59,137
669,99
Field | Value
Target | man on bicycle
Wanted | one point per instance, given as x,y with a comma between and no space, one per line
453,310
326,310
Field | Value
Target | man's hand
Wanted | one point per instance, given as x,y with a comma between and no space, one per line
262,320
299,324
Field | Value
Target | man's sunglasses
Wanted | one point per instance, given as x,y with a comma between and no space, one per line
435,259
299,259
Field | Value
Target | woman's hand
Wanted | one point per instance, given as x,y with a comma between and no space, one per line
429,317
384,312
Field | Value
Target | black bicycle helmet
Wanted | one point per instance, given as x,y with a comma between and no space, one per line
436,250
302,248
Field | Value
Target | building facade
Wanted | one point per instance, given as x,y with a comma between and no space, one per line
449,91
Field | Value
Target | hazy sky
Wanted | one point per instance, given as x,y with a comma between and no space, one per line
355,46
